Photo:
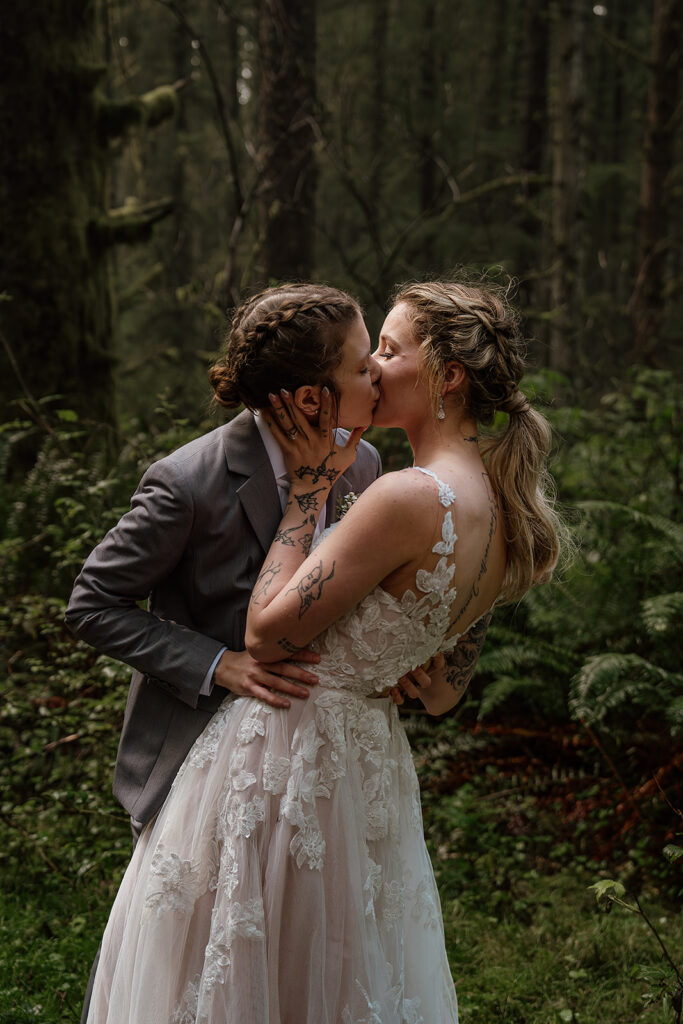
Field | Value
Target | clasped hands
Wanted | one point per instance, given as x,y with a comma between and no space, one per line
273,682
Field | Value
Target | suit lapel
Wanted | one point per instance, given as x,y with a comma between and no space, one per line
258,496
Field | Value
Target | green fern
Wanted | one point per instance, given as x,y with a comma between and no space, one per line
606,682
664,529
529,689
663,613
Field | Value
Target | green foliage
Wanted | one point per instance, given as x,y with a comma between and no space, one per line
607,682
665,978
602,641
52,518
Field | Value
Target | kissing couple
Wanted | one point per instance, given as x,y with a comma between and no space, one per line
280,873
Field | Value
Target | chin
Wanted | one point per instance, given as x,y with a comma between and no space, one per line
378,419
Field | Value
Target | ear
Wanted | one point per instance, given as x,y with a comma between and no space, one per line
454,377
307,399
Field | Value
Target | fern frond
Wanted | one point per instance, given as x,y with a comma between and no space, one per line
666,529
505,687
674,713
509,658
606,681
663,612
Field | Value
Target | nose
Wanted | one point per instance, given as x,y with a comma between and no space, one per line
375,370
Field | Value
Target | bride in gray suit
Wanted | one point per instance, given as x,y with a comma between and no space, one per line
286,880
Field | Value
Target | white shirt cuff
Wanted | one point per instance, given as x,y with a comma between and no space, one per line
207,685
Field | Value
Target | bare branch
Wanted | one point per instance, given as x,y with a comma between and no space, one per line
218,96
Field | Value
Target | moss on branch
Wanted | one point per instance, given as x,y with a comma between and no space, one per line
115,117
130,223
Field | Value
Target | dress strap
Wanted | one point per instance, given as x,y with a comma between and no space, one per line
446,495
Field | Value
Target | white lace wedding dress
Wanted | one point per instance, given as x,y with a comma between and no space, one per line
286,879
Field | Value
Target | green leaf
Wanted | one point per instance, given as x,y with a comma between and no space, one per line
605,892
67,415
672,852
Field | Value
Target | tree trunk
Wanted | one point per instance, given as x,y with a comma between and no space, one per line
566,285
654,229
534,137
427,114
380,21
287,109
57,322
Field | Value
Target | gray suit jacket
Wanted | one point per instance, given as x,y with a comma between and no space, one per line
192,545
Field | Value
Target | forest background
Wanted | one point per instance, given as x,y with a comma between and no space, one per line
162,159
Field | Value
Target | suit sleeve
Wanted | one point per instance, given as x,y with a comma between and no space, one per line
140,551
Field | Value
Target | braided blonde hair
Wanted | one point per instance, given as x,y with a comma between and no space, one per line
284,337
476,327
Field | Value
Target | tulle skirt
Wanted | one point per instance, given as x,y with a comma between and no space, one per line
285,880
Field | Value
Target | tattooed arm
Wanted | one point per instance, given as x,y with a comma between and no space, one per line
295,599
451,676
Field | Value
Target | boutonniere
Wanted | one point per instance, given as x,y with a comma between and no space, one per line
344,503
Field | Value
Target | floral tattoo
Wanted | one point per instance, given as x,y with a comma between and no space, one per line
320,472
308,502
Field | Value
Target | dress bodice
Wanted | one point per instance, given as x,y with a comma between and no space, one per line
383,636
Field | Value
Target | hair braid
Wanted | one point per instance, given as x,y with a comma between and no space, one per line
283,337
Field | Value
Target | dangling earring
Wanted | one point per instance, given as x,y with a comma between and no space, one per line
441,415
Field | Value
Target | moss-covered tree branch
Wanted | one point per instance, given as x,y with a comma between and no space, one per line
116,117
130,223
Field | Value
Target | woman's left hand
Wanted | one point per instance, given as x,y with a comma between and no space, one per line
312,454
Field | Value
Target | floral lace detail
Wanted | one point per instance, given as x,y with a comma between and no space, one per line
373,1007
446,495
178,882
446,545
206,745
423,905
411,1012
240,778
217,959
253,725
186,1011
373,645
308,845
407,1009
275,773
394,900
373,885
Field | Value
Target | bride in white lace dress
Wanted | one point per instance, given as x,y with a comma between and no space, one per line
286,878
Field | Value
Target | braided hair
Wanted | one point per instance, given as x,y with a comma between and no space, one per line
477,327
284,337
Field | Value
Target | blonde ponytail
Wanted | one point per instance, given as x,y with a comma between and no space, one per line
477,327
515,460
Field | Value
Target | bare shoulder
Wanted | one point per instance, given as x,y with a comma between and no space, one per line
406,498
